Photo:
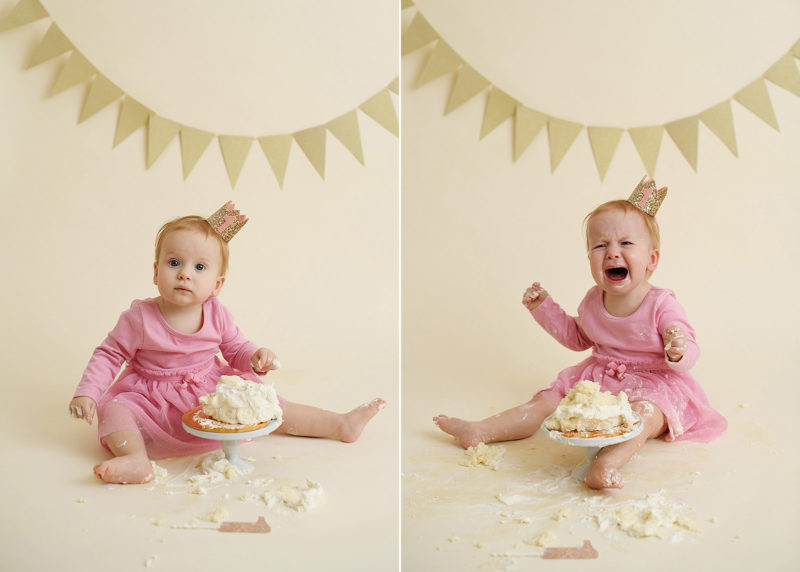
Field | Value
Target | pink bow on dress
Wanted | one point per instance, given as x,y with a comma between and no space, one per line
191,378
614,369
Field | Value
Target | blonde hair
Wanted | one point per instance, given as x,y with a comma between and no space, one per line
199,224
626,207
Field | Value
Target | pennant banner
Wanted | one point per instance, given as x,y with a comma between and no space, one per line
603,140
161,131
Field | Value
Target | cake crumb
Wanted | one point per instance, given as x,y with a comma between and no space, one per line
562,514
544,539
218,515
483,455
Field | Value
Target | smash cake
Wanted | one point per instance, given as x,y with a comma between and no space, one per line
588,412
237,405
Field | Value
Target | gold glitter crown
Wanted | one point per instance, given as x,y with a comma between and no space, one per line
227,221
647,197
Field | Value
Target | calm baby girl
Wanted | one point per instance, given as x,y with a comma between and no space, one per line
640,338
170,344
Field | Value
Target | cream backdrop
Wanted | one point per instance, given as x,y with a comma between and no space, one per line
313,276
478,228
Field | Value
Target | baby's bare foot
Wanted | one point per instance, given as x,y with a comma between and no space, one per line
126,469
466,432
603,476
355,421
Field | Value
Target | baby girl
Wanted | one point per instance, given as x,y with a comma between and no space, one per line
640,338
170,344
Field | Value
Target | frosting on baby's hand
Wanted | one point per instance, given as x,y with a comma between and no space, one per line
675,343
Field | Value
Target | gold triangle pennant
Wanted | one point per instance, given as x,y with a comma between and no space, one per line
345,129
77,69
312,143
719,119
25,12
276,148
441,61
499,107
604,141
234,149
755,97
381,108
418,34
796,49
101,94
194,142
647,141
160,132
53,44
467,84
132,116
394,87
561,134
406,4
684,133
527,125
785,74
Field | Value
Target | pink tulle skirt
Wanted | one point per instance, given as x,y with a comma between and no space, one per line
679,397
153,401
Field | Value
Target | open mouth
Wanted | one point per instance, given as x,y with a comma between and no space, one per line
617,274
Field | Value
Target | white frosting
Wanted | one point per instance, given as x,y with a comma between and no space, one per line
242,401
297,498
586,408
653,516
482,455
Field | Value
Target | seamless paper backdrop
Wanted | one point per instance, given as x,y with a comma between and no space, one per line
313,275
478,228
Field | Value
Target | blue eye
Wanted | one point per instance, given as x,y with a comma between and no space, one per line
174,263
200,266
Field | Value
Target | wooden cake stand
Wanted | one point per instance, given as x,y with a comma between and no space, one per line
231,435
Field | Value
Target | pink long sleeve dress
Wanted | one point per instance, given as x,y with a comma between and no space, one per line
628,355
167,371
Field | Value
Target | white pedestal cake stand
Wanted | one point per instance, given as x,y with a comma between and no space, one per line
232,441
592,445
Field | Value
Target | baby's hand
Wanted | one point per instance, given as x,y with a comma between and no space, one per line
534,296
83,408
264,360
675,344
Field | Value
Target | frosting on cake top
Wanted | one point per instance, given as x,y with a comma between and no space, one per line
586,408
242,401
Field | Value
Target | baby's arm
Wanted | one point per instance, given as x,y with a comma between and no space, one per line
554,320
238,351
681,351
119,346
83,408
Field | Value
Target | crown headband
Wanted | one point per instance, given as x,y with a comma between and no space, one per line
647,197
227,221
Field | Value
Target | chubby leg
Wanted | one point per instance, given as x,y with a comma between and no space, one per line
604,472
130,463
516,423
308,421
